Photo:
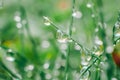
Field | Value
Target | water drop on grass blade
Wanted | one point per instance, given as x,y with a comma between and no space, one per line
46,21
116,31
86,75
77,47
9,58
61,37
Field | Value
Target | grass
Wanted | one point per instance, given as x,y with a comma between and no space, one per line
75,41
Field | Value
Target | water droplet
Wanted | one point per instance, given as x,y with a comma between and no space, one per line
70,40
98,41
29,67
93,15
96,29
114,78
98,53
77,47
86,75
89,58
45,44
9,50
48,76
117,25
46,21
9,58
17,18
84,60
46,65
77,14
117,31
109,49
117,34
61,37
89,5
19,25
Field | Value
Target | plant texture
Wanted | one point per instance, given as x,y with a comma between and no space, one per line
59,40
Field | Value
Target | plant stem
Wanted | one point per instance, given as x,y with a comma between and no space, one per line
72,19
69,44
57,28
89,66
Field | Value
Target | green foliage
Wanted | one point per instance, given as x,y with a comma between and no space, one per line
75,44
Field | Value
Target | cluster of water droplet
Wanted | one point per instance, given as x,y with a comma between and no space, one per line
46,21
116,31
10,55
29,70
61,37
98,42
84,74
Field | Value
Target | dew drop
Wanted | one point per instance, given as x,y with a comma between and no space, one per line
46,21
61,37
98,53
29,67
86,75
9,50
84,62
89,5
17,18
116,31
117,34
19,25
48,76
77,47
46,65
109,49
9,58
77,14
98,41
70,40
93,15
96,29
114,78
117,25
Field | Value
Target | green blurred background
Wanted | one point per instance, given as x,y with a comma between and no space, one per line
29,49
